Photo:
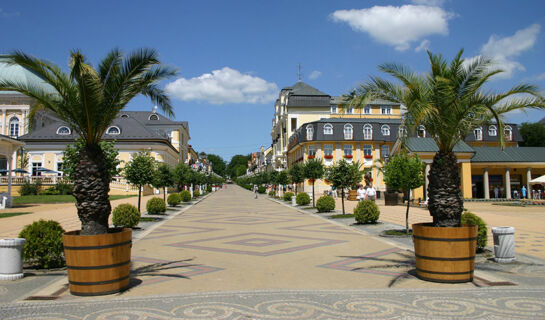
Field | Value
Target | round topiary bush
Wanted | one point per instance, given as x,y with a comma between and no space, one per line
325,204
482,233
156,206
125,215
366,212
174,199
196,194
261,189
287,196
271,193
43,245
186,196
302,199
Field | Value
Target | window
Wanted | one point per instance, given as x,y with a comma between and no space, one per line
113,130
386,109
310,132
293,124
348,131
14,127
350,110
492,131
508,133
347,150
60,168
367,132
328,150
478,132
124,116
385,151
63,131
35,167
333,109
311,150
328,129
421,132
402,131
385,130
367,110
154,117
367,151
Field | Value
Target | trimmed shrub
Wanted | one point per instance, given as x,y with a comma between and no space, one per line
156,206
366,212
287,196
271,193
186,196
43,244
302,199
28,188
482,233
125,215
208,188
196,194
325,204
174,199
261,189
64,188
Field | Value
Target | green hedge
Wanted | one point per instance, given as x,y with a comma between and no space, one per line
482,233
325,204
366,212
261,189
287,196
125,215
302,199
196,194
43,244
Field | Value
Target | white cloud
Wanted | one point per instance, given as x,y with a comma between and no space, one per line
224,86
540,77
503,51
396,26
433,3
314,75
424,45
5,14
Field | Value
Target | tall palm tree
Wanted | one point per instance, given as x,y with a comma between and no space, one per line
355,99
450,101
88,100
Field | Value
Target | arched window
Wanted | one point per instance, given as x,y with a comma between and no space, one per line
478,132
348,131
508,131
14,127
328,129
421,131
402,131
113,130
492,131
154,117
124,116
367,132
385,130
63,131
310,132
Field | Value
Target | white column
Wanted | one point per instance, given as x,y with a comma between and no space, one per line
22,130
4,122
486,184
377,152
9,159
507,183
426,173
338,152
358,151
14,160
528,178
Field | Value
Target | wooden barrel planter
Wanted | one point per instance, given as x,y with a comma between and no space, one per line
98,264
352,195
445,254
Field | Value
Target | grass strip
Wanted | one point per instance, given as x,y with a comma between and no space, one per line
68,198
341,216
12,214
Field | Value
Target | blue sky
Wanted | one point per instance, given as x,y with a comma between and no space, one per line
233,57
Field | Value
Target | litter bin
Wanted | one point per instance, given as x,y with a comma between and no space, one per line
504,244
293,203
11,258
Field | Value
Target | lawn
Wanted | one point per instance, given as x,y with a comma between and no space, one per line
56,198
12,214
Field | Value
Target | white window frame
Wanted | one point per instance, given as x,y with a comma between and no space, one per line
328,128
492,131
386,154
385,109
402,131
350,110
508,133
333,109
349,148
113,134
423,129
311,150
35,165
367,135
153,117
478,133
385,130
310,132
14,127
367,110
63,134
326,147
348,131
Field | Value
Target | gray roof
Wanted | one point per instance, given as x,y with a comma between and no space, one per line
415,144
510,154
486,137
144,117
303,89
303,95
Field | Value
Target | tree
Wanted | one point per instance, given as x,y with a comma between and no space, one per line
313,169
282,178
296,174
404,172
88,100
140,172
70,158
533,134
344,175
164,178
450,101
238,165
218,164
182,175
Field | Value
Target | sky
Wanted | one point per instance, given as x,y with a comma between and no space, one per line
233,57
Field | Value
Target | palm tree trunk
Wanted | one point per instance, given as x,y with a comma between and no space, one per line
91,187
445,197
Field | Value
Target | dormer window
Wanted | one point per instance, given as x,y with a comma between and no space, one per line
386,109
124,116
350,110
492,131
14,127
421,132
367,132
310,132
402,131
333,109
385,130
154,117
328,129
63,131
478,132
508,131
113,130
348,131
367,110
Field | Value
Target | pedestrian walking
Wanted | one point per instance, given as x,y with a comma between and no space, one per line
371,193
255,191
523,191
362,193
496,192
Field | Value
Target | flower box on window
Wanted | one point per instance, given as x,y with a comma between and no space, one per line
311,156
368,156
348,156
311,180
328,156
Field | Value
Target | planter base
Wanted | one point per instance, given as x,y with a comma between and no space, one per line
12,276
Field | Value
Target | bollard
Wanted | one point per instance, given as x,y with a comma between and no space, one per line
293,203
11,258
504,244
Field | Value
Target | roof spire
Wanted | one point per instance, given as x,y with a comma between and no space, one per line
299,73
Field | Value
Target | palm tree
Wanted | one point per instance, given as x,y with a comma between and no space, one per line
355,99
450,101
88,100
